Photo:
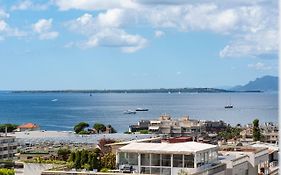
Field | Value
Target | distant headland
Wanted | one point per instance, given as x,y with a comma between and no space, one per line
160,90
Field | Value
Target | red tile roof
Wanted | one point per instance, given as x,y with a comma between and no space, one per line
28,126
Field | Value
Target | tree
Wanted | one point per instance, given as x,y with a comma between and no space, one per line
77,162
84,157
72,157
99,127
108,161
102,142
63,154
256,130
4,171
10,127
112,129
80,127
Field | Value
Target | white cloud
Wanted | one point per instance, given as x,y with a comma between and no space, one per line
29,5
3,14
252,45
247,24
5,29
260,66
43,28
93,4
104,31
159,33
116,38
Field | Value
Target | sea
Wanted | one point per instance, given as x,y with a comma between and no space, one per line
61,111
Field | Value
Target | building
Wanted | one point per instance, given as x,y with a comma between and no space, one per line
28,127
273,151
236,164
8,147
245,160
170,158
142,125
183,126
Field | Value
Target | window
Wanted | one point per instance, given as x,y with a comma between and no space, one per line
123,158
177,160
166,171
166,160
155,160
133,158
155,170
145,159
189,161
145,170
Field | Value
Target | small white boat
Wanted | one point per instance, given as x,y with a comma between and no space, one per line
54,100
129,112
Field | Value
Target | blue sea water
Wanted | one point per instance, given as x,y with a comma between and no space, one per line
71,108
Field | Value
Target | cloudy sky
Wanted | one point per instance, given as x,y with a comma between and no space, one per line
112,44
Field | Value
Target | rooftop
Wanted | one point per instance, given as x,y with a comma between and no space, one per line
185,147
28,125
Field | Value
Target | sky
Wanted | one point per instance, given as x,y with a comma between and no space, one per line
136,44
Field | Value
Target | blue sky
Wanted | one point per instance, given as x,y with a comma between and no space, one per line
116,44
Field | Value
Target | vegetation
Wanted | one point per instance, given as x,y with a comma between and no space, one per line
230,133
256,130
4,171
105,149
63,154
10,127
85,159
144,132
79,128
112,129
99,127
108,161
41,160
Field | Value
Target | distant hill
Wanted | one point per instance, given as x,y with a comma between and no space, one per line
265,83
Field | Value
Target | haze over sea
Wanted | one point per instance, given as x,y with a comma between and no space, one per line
71,108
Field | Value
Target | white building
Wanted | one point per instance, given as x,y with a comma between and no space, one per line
171,158
245,160
8,147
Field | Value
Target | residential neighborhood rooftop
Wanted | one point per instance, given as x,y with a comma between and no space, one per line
185,147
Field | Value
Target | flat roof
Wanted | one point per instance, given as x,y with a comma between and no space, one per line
183,147
230,156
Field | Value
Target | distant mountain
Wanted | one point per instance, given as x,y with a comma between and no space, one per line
265,83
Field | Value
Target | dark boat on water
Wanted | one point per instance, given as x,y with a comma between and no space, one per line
141,109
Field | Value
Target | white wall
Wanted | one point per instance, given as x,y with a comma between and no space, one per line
33,168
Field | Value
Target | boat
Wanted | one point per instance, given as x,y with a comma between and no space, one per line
141,109
55,100
90,95
229,105
129,112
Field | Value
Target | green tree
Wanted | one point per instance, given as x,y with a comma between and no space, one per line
72,157
4,171
108,161
112,129
77,162
84,157
256,130
63,154
10,127
99,127
80,127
